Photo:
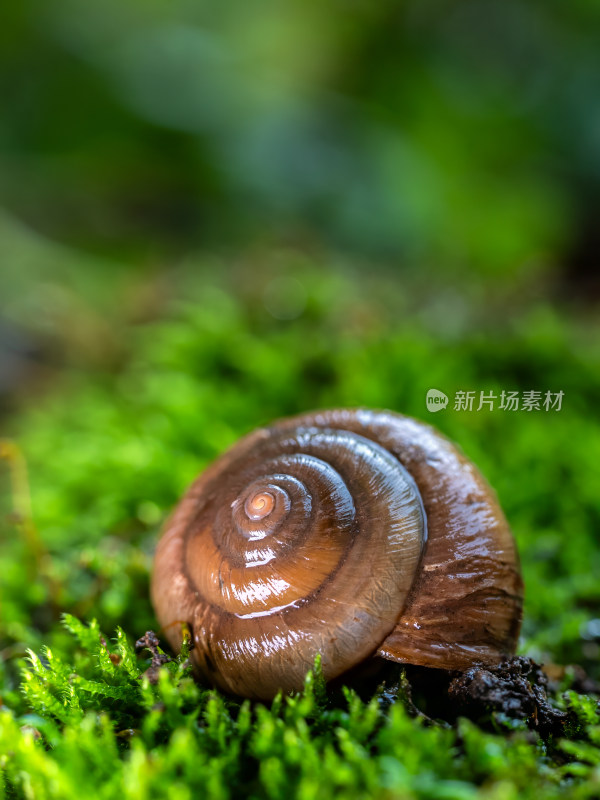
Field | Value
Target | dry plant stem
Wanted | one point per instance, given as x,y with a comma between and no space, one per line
22,516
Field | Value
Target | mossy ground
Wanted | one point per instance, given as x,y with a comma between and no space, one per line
112,442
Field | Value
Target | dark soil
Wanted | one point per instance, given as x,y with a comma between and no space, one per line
517,688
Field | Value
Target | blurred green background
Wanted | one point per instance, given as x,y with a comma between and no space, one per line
212,216
439,136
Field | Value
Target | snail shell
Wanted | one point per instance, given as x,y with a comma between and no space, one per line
349,533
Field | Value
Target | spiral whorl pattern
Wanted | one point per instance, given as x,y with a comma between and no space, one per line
309,547
306,537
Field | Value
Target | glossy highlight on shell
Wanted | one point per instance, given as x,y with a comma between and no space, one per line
349,533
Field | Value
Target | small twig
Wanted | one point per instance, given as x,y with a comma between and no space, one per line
149,641
22,517
21,500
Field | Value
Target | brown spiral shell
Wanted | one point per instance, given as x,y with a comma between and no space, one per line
349,533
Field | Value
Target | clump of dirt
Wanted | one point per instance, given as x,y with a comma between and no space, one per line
517,688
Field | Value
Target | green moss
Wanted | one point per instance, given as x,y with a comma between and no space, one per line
99,727
109,453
